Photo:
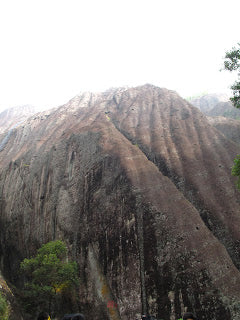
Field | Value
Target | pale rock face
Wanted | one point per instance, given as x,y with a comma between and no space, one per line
137,181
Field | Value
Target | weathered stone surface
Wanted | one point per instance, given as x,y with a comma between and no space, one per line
138,183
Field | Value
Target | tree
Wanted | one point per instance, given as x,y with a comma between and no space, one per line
236,170
4,308
49,275
231,63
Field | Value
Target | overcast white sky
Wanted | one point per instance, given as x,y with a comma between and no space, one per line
53,49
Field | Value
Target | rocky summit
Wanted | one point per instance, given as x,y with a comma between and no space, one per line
138,183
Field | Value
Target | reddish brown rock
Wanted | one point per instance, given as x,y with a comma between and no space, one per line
138,183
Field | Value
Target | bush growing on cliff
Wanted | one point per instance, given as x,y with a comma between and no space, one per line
4,308
49,276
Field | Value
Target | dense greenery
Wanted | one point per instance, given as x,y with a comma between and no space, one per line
49,275
231,63
4,308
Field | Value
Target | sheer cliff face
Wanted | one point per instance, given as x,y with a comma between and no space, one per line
138,183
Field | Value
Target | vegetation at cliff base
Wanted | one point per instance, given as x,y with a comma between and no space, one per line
4,308
49,276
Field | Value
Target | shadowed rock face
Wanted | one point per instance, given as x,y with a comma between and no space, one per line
138,183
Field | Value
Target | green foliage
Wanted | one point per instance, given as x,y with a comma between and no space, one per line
236,170
231,63
236,94
49,275
4,308
232,57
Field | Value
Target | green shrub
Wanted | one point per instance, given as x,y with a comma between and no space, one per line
4,308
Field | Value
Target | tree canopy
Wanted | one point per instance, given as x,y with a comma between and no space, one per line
232,63
49,274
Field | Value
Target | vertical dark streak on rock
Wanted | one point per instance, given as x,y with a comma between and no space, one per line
140,227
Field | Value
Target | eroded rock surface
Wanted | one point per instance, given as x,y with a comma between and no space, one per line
138,183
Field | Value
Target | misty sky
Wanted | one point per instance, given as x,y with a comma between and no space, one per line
52,49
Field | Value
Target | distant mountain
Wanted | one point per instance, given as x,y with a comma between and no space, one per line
224,109
215,105
207,102
11,117
229,127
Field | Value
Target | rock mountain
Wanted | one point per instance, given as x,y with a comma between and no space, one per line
138,182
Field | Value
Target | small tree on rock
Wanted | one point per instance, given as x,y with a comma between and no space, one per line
49,274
